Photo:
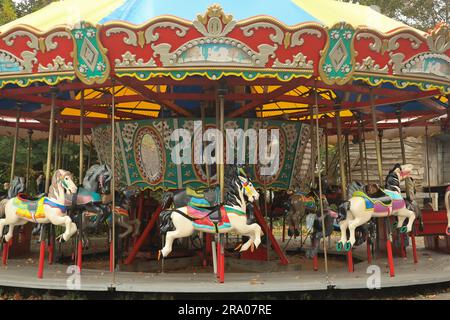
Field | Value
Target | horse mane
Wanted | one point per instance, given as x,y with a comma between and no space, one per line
17,186
231,191
53,191
89,174
353,187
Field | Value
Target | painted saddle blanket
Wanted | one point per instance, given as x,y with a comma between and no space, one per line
33,209
210,220
390,201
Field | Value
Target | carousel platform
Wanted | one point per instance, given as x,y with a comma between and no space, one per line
433,267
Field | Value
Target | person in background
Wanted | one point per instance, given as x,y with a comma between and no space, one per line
40,183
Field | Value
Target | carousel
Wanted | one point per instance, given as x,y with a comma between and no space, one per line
129,81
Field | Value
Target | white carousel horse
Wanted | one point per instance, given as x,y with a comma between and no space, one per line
447,206
50,209
231,216
360,208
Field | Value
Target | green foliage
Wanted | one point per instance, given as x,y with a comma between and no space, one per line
7,11
29,6
420,14
69,161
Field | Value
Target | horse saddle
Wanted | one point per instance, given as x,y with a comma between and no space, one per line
29,207
379,197
214,217
204,197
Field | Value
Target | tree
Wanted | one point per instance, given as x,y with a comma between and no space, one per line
7,11
420,14
29,6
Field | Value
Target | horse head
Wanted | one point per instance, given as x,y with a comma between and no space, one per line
238,184
17,186
247,185
62,179
98,179
402,171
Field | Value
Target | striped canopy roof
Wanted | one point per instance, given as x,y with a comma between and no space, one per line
291,12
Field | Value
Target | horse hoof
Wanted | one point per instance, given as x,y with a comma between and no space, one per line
403,229
159,255
348,246
339,246
238,247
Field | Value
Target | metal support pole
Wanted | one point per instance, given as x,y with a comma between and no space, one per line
377,141
325,250
398,112
56,149
16,140
365,155
341,156
81,168
313,146
30,134
50,143
221,152
326,153
90,153
113,180
361,153
347,153
427,140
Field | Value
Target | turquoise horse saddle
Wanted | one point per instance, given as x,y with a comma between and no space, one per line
382,201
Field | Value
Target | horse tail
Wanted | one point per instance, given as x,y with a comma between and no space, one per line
3,208
342,211
167,200
165,221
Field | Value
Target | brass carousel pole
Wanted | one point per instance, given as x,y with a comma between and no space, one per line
341,156
51,133
377,141
326,153
398,112
221,249
16,140
81,165
313,144
347,153
316,113
30,141
56,147
50,143
377,138
361,153
113,183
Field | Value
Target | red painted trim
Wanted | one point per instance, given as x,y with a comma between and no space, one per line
41,260
390,258
262,222
142,237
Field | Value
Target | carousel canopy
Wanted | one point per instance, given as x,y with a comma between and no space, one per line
290,12
276,59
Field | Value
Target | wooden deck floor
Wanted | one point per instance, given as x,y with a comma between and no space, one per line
432,268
